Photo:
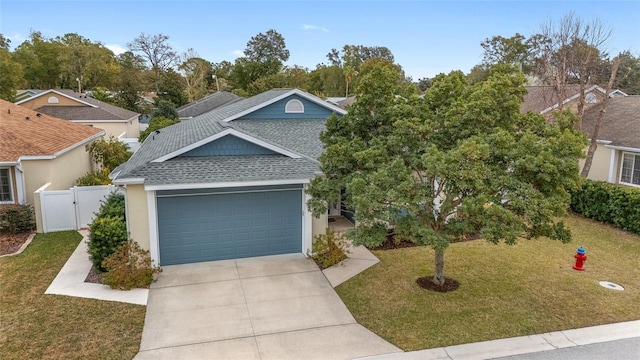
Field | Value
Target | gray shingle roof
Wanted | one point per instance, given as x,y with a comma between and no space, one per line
117,113
299,136
621,123
207,104
190,170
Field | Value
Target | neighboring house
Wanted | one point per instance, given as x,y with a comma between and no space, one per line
82,109
207,104
617,129
617,158
37,149
229,183
25,94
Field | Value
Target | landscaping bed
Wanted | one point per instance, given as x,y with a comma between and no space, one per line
10,243
504,291
38,326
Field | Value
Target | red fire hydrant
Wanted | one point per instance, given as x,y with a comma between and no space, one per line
581,257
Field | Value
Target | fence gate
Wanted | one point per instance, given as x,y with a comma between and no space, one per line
71,209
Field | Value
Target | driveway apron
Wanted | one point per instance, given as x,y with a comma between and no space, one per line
273,307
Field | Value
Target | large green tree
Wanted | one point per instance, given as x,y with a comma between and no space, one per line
463,160
40,60
130,81
11,71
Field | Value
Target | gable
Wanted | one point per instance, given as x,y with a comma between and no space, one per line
276,110
228,145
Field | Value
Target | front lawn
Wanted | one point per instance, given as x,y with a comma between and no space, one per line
505,291
38,326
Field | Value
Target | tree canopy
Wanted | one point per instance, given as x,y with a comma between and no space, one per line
461,161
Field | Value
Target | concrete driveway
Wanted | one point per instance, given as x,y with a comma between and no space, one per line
274,307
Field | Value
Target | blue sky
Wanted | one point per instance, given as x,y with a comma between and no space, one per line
426,37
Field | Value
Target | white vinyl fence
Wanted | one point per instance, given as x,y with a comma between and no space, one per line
71,209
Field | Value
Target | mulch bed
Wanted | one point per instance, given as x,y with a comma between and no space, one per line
449,284
94,276
10,243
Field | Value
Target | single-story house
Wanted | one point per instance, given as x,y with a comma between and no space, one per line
617,157
617,133
37,149
229,183
82,109
206,104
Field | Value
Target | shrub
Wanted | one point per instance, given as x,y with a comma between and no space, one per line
109,153
129,267
614,204
108,229
106,234
113,205
17,218
94,178
328,249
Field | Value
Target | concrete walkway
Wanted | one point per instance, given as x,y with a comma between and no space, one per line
274,307
70,280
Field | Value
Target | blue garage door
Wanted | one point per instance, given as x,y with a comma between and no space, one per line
207,227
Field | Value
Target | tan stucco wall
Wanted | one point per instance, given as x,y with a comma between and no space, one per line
137,215
38,211
114,129
44,100
319,225
600,166
133,128
61,172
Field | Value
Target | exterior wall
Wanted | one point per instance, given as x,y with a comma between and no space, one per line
44,100
114,129
319,225
38,211
229,145
600,166
276,110
138,215
61,172
133,128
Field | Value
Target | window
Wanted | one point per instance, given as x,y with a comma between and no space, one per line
6,190
294,106
53,100
630,173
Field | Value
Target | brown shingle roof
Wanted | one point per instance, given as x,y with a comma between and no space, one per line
621,123
539,98
102,111
38,136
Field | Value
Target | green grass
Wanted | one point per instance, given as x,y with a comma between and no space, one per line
505,291
38,326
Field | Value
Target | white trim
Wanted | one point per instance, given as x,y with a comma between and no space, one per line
154,240
623,148
20,183
611,177
224,133
622,163
292,102
226,184
98,121
9,163
300,93
11,186
59,93
127,181
307,224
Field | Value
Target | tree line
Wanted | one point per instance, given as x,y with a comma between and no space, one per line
152,65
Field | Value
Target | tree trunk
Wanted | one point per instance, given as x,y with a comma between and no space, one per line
438,278
596,127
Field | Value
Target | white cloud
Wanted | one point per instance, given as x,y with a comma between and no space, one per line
117,49
237,52
314,27
16,39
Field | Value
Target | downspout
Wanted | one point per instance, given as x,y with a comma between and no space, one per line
20,184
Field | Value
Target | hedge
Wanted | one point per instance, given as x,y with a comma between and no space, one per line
614,204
